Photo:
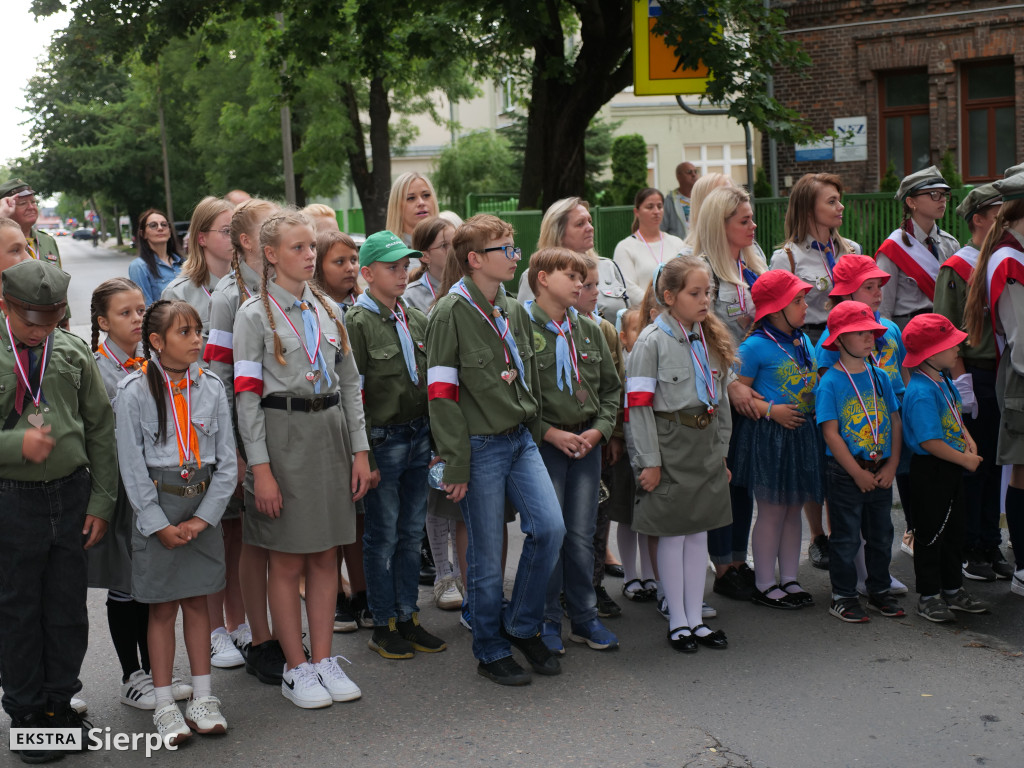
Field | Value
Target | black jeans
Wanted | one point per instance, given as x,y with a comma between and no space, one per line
853,514
44,622
939,525
981,488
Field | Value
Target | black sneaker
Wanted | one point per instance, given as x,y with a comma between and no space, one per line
266,661
344,618
36,756
427,570
848,609
361,610
886,606
504,671
818,552
977,567
1000,566
606,607
65,717
418,637
731,584
536,652
389,643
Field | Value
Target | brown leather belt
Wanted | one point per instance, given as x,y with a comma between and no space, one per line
868,464
700,420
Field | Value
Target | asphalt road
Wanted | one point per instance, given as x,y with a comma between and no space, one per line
793,690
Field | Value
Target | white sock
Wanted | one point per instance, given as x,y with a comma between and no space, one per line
201,686
164,695
219,631
625,537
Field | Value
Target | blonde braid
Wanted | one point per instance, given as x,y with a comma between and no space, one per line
342,334
239,282
265,297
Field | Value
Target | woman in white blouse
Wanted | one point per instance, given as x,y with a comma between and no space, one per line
648,246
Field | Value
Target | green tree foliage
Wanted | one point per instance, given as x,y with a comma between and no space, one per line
947,165
762,187
479,162
629,169
890,182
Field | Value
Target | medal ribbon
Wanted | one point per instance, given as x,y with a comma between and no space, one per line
367,302
501,334
508,342
660,258
874,397
130,363
316,351
951,404
23,374
184,432
828,258
703,366
800,368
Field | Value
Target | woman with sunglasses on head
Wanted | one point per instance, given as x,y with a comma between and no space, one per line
159,259
914,252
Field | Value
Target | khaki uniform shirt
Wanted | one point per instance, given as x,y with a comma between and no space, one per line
224,304
43,246
809,264
199,296
901,295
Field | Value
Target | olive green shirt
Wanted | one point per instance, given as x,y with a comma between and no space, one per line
950,301
44,247
598,377
467,394
76,408
611,336
389,396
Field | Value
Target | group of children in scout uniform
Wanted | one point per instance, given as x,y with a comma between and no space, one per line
516,400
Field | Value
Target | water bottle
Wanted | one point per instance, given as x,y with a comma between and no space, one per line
435,473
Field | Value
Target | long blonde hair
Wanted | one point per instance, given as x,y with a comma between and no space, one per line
673,278
711,241
976,312
555,223
246,219
396,201
206,212
703,187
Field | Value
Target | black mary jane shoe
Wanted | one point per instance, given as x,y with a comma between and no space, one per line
761,598
715,640
683,643
800,599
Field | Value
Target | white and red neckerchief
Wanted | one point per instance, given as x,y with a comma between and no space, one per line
876,426
500,335
22,373
301,337
705,374
660,258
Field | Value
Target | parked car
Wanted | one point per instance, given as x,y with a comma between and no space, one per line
82,233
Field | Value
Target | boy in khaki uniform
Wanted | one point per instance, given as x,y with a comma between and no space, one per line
58,483
387,342
482,390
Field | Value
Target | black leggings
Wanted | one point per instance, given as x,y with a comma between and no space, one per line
937,487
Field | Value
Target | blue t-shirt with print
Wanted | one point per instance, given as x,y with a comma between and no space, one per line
888,356
837,401
776,375
927,414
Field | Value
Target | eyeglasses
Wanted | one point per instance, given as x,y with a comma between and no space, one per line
226,231
444,246
158,225
511,252
22,202
935,194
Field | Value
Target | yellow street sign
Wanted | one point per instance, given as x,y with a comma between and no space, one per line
656,69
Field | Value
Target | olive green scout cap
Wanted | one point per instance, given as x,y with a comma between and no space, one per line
1013,170
15,187
1011,188
384,246
921,181
978,198
37,291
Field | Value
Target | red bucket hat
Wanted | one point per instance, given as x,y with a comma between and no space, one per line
927,335
774,290
850,317
852,270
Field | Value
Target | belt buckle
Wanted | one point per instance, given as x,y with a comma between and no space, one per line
703,419
316,404
190,491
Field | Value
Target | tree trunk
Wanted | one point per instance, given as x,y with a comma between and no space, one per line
373,185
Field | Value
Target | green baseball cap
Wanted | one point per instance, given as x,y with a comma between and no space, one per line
15,187
384,246
37,291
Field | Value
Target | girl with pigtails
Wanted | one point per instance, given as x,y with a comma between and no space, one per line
300,419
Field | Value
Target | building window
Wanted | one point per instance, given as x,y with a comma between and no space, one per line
730,159
905,133
987,119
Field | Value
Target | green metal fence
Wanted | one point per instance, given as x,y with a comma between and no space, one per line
491,202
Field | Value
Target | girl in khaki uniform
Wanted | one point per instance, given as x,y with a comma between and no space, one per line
679,417
300,418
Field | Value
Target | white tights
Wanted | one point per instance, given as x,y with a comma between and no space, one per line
628,540
776,537
682,564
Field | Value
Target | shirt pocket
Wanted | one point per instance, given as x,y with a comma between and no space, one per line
69,374
476,370
675,385
8,392
206,428
386,360
330,344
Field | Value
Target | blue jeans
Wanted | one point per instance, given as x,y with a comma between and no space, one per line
577,485
393,524
853,514
508,466
44,623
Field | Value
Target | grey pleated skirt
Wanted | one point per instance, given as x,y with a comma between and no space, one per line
311,458
1010,395
160,575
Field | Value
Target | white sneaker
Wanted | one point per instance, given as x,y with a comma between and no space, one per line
79,705
223,653
447,596
203,715
137,691
171,725
334,679
897,587
180,690
302,687
1016,584
242,638
707,612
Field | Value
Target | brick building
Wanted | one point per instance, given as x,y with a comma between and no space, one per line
926,76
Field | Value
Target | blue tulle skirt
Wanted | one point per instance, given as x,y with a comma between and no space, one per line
778,465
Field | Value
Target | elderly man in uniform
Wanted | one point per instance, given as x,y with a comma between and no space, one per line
18,202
